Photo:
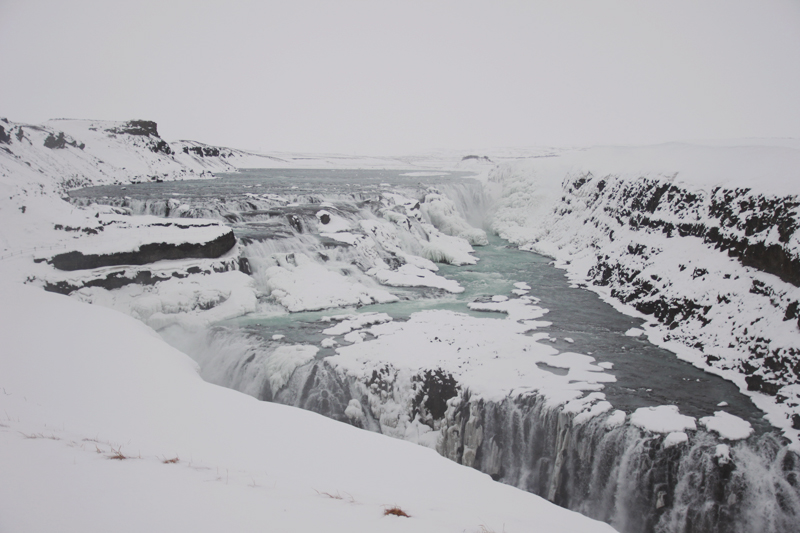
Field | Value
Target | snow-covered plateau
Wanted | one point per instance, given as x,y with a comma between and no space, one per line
377,298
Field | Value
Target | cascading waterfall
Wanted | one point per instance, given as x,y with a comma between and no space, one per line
628,477
611,471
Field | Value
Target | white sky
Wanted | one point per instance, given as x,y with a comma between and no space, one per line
400,76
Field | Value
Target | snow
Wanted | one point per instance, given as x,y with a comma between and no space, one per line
727,425
283,362
348,323
192,303
616,419
522,308
662,419
634,332
490,357
722,452
411,276
442,248
82,383
675,438
301,284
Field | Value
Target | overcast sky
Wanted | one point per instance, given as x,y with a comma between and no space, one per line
395,77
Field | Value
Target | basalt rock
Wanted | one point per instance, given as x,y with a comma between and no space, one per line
148,253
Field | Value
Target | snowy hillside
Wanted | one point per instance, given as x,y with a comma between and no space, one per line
703,240
102,435
65,154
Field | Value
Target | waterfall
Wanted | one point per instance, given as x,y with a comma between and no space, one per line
617,473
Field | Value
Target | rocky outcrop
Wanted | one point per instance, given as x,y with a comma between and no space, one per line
133,276
54,141
136,127
147,253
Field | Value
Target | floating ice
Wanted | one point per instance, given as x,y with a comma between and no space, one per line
412,276
350,322
517,309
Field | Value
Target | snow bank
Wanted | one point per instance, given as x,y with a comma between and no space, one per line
192,303
411,276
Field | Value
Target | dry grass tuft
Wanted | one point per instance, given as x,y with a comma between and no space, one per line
39,436
338,496
172,461
395,511
485,529
117,454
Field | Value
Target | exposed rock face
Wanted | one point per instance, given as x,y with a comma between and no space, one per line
60,141
204,151
757,230
137,127
482,158
5,138
148,253
143,128
139,276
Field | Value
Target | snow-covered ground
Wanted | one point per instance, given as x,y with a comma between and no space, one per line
105,427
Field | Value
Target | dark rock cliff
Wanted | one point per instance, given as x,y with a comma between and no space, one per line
740,319
148,253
